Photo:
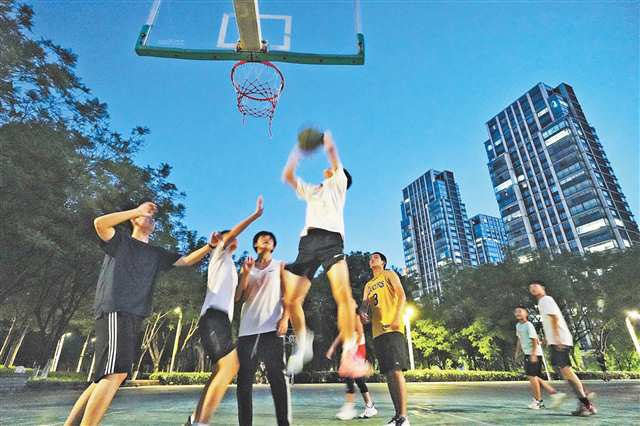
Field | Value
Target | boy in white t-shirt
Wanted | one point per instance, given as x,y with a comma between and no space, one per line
322,243
529,344
215,319
263,323
559,339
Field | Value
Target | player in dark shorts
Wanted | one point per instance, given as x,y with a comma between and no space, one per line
215,319
560,341
322,243
384,296
122,301
529,344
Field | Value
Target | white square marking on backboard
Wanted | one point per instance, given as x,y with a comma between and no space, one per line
286,36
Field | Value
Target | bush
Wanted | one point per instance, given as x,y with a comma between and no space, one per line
10,371
424,375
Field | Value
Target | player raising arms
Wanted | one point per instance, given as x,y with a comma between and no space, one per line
322,243
215,319
123,299
385,296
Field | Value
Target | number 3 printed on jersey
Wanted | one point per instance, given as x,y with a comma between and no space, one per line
375,299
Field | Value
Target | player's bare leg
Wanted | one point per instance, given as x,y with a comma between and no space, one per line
75,416
295,291
338,276
216,387
101,398
534,383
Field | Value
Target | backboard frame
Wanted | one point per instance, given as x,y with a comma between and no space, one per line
265,54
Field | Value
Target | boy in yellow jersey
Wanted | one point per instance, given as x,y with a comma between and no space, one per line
384,295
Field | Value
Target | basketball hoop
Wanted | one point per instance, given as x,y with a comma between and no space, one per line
258,86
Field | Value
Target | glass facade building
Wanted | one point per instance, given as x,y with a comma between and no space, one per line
490,238
435,229
553,183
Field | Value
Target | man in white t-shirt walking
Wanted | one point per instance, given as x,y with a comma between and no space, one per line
560,341
529,344
263,323
322,243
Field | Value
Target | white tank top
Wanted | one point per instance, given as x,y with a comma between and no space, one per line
262,307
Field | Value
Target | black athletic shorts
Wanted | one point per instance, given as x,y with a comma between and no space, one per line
533,368
215,334
318,247
391,351
117,343
560,356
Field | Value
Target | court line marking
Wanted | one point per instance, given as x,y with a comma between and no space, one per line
450,415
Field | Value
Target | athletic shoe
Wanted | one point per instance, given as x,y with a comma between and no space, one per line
584,410
188,422
347,412
402,421
535,404
557,399
301,355
392,422
369,412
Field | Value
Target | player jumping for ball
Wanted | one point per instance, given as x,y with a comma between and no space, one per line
322,243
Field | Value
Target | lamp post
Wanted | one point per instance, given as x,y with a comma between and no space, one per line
408,314
633,315
56,355
178,311
93,360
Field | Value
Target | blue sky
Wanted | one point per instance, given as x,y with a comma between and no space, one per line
435,72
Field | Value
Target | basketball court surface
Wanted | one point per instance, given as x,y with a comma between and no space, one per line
493,403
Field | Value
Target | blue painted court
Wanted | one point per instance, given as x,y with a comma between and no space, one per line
494,403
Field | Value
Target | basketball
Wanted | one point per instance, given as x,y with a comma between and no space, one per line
309,139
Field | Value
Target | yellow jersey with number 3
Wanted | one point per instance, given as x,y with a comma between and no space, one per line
383,302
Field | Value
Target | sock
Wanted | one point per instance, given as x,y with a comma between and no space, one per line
585,401
201,424
369,405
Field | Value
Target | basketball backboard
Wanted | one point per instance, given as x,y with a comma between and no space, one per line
306,31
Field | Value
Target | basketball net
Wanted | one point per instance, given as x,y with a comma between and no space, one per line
258,86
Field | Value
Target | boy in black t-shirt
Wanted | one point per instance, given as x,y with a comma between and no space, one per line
123,299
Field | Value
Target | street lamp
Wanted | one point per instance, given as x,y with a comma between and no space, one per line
93,360
58,351
177,310
633,315
409,312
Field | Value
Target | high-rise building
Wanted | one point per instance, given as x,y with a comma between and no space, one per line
489,237
553,182
435,229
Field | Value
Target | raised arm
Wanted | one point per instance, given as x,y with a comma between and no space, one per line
289,171
402,299
237,230
105,225
331,150
197,255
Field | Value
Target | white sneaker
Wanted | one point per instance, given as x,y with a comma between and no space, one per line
302,354
557,399
535,404
347,412
369,412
